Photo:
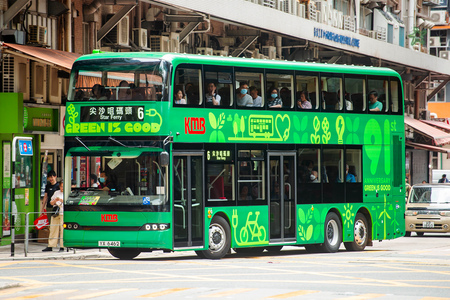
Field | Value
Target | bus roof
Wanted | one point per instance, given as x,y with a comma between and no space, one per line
177,58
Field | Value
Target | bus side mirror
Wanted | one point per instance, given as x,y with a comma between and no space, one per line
164,159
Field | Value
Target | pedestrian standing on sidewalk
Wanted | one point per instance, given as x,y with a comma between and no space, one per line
51,187
57,220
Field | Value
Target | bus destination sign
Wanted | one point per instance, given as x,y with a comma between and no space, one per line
120,113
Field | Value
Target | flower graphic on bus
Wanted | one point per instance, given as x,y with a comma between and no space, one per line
352,137
348,215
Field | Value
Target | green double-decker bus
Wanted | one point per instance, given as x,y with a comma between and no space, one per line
181,152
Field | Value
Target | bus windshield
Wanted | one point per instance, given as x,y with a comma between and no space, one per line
117,177
119,79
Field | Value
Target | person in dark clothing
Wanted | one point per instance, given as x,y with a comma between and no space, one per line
106,182
51,187
443,179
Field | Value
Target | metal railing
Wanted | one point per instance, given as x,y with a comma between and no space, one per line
16,225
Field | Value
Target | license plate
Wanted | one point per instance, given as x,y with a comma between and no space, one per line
108,243
428,224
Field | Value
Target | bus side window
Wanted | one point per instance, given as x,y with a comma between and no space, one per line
190,79
355,93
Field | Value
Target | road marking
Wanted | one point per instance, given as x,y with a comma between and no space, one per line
163,293
43,294
100,294
362,297
227,293
292,294
434,298
14,290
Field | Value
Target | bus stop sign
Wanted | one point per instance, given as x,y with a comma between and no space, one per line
25,148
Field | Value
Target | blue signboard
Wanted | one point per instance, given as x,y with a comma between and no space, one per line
25,148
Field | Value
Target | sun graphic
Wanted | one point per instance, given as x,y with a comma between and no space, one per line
348,216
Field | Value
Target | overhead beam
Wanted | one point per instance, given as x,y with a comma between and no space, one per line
244,45
13,11
183,18
188,30
102,32
244,32
437,89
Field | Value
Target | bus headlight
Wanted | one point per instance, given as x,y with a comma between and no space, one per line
155,226
72,226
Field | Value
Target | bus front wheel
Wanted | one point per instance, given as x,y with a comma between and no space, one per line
124,253
360,233
219,239
333,234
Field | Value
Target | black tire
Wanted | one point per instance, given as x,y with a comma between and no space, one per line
312,248
253,250
408,233
333,234
420,233
361,234
124,253
274,248
219,239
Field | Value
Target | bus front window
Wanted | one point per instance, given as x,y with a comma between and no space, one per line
119,79
116,179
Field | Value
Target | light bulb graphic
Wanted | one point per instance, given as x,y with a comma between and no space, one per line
340,127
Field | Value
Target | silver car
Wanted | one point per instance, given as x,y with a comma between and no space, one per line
428,209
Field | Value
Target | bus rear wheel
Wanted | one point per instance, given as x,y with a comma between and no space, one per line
333,234
124,253
219,239
361,236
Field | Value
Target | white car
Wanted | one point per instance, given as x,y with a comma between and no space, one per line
428,209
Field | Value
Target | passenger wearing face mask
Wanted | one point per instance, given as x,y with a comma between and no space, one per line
274,100
242,97
105,183
314,176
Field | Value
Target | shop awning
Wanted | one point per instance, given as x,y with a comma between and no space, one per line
439,125
428,147
61,59
431,134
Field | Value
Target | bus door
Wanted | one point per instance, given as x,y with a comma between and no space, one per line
188,199
282,196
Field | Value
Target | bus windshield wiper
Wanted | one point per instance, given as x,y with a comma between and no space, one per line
117,142
83,144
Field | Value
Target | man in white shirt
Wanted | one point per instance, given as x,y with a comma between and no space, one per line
57,221
257,100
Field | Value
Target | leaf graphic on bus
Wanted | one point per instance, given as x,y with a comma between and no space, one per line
220,137
213,137
297,123
309,232
212,121
301,216
242,125
221,121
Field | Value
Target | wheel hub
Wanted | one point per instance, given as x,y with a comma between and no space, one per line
360,233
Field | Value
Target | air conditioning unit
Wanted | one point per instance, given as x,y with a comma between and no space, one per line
120,34
38,82
54,86
220,53
159,43
16,75
372,34
439,17
37,34
270,51
204,51
140,37
435,41
444,54
302,10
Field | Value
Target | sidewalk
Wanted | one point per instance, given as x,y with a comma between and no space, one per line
35,253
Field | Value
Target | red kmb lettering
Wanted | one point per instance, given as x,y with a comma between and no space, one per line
194,125
110,218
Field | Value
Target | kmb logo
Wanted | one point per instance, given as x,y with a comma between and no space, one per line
109,218
194,125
